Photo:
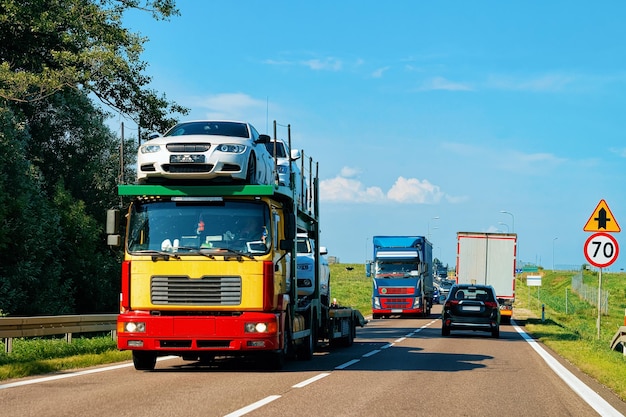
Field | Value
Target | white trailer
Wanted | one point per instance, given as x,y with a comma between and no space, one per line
489,258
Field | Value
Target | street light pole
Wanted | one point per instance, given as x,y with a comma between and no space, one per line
512,219
507,226
434,218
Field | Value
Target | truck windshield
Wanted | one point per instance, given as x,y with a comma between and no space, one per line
395,269
187,227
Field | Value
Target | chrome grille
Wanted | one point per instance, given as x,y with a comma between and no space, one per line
205,291
188,147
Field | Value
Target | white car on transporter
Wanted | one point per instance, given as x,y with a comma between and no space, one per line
221,151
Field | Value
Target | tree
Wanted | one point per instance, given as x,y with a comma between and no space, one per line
47,46
59,162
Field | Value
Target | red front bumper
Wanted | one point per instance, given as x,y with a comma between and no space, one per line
179,334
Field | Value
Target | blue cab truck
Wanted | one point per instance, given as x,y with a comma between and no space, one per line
402,276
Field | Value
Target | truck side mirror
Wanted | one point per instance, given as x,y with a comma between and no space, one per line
368,270
113,222
112,228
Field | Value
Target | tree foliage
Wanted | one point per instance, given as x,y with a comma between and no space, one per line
60,60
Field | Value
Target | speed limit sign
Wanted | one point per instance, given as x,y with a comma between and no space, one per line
601,249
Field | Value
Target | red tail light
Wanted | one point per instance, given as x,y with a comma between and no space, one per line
451,303
125,294
491,304
268,285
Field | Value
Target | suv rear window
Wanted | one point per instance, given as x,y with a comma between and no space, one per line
473,293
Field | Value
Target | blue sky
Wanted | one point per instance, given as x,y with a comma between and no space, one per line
426,118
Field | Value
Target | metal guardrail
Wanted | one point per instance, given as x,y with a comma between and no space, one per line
619,340
11,327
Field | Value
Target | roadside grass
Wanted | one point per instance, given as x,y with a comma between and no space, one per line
569,325
37,356
350,286
569,328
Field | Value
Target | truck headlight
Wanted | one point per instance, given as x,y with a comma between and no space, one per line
260,327
376,302
134,327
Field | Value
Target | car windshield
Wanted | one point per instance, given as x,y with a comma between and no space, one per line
281,152
234,129
188,227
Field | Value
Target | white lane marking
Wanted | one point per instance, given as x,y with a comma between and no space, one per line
349,363
594,400
373,352
252,407
387,346
73,374
402,339
311,380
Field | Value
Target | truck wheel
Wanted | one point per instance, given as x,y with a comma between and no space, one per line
305,353
144,361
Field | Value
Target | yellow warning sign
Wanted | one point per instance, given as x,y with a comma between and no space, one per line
602,220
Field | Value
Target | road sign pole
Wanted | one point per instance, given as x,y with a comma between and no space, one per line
599,301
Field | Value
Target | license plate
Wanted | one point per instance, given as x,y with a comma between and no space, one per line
187,159
471,308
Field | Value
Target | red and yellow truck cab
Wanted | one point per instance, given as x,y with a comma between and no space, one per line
206,272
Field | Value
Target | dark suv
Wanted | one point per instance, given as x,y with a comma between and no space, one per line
471,307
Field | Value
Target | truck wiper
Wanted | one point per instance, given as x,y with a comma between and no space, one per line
157,254
238,254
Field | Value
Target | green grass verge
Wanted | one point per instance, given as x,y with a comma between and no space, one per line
572,331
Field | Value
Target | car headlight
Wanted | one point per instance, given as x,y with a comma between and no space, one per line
150,148
231,148
304,267
282,169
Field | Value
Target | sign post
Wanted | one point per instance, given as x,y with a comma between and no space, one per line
601,248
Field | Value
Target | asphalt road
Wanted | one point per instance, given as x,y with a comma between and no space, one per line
396,367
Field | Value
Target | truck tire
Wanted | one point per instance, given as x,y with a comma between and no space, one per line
144,361
305,353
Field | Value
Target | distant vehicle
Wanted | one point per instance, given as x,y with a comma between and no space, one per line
402,276
489,259
305,248
444,286
471,307
227,151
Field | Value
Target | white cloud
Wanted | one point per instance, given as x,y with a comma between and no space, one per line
621,152
327,64
379,72
233,106
340,189
414,191
349,172
344,188
440,83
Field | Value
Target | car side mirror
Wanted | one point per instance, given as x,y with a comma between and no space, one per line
263,139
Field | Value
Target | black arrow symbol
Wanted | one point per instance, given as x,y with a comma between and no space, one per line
602,219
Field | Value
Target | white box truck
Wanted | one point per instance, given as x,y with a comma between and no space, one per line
489,258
